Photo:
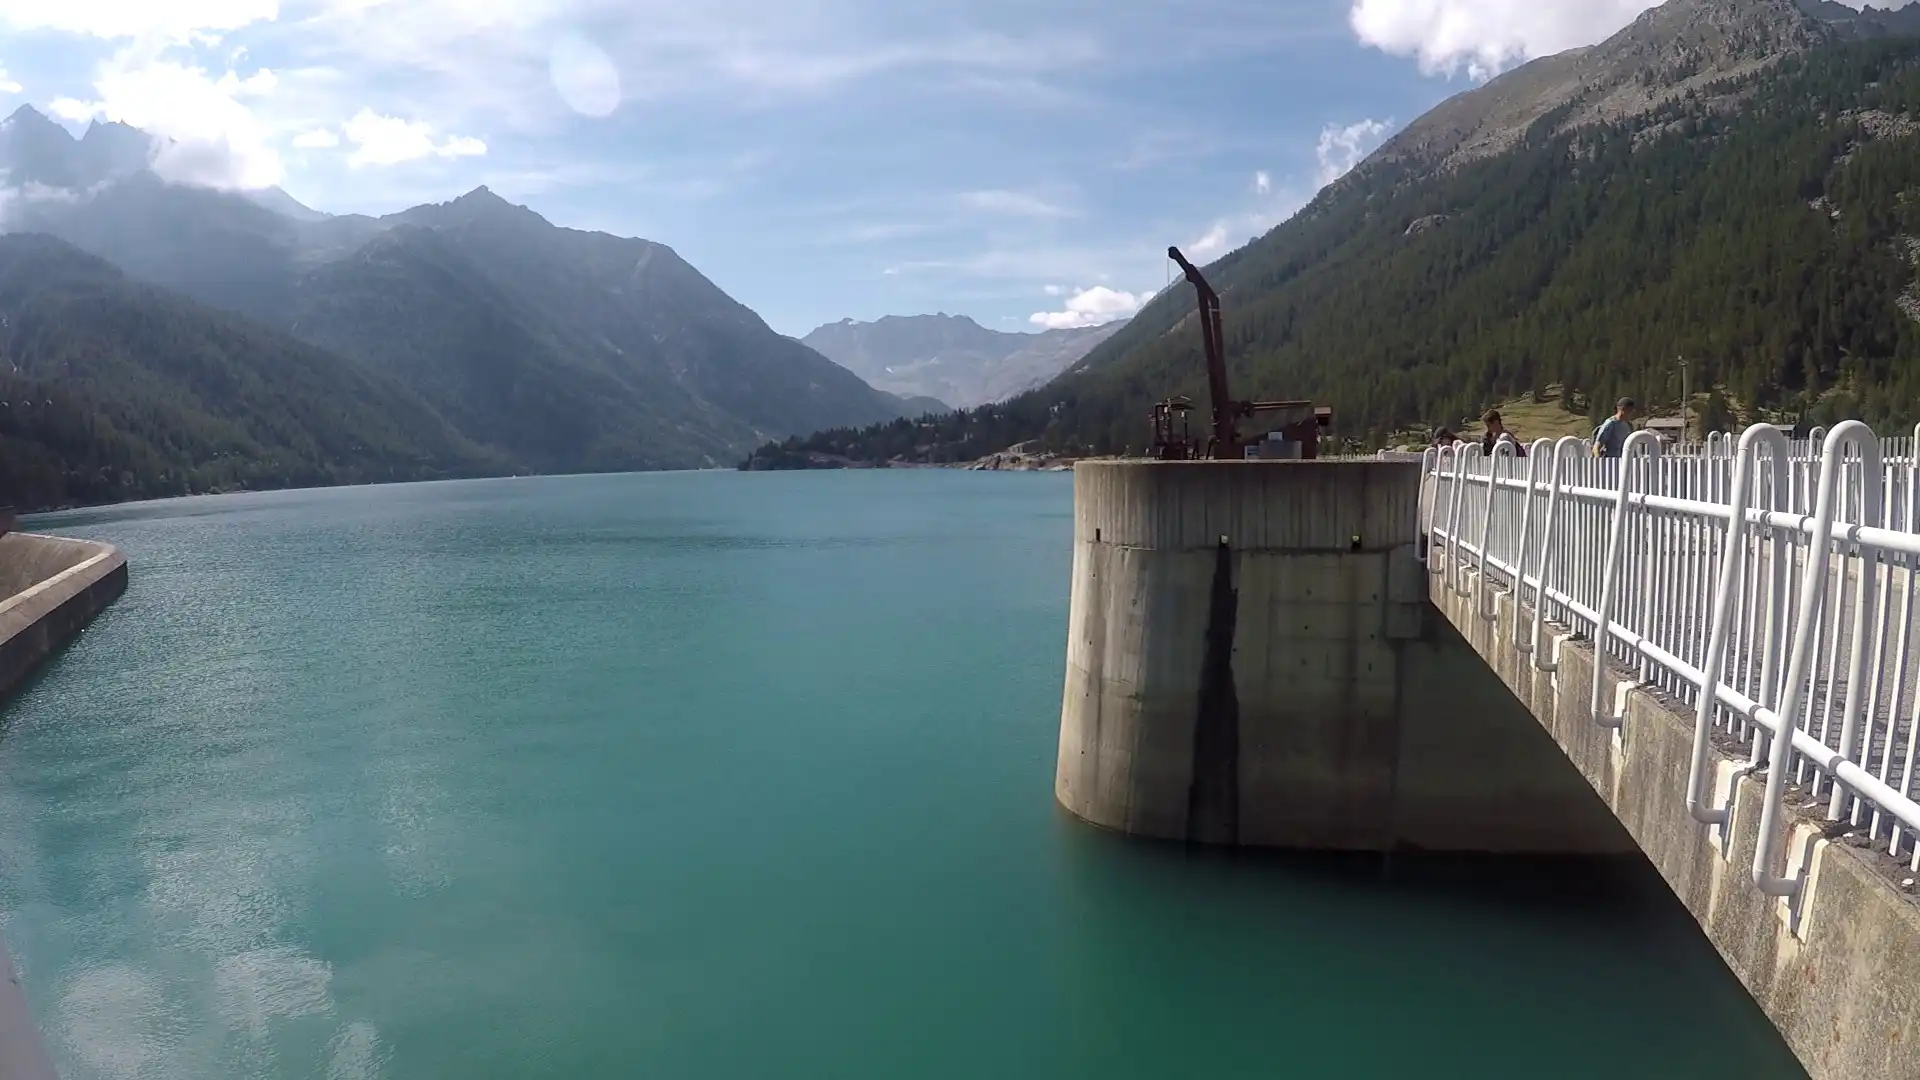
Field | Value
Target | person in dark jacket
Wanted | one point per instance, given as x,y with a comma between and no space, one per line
1496,428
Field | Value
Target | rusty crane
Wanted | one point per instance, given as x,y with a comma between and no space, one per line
1297,422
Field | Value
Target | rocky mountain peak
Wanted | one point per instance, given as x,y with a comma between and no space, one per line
1681,47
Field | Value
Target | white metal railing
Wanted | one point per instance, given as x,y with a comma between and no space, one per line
1767,584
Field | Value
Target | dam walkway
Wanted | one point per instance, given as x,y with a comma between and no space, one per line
1722,640
1764,585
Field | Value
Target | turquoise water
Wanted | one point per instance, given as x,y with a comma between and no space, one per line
715,776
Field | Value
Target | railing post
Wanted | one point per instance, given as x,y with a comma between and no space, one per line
1911,524
1445,456
1456,580
1569,448
1429,497
1647,444
1813,595
1860,437
1731,565
1540,450
1502,451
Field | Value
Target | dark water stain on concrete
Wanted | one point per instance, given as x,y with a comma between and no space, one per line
1213,797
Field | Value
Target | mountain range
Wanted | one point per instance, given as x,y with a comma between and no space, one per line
512,344
951,358
113,389
1735,182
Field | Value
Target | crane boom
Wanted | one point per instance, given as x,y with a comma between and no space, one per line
1224,438
1301,421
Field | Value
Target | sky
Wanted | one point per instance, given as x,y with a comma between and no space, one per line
1023,162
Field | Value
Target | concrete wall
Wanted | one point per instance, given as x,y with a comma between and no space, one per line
50,588
1836,972
1252,660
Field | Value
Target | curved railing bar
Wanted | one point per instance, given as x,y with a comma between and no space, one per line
1906,641
1423,508
1456,579
1866,583
1536,454
1502,451
1643,444
1813,595
1731,564
1567,448
1445,456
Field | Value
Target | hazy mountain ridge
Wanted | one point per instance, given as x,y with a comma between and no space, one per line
35,150
113,389
598,352
951,358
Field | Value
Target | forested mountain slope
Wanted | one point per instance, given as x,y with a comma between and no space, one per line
1764,226
111,389
412,304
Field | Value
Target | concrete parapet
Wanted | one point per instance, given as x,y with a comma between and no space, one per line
1835,971
1252,660
52,587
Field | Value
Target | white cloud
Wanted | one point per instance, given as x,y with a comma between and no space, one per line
1341,148
1091,307
388,140
1209,246
1017,203
1274,201
525,65
174,20
1485,37
206,135
255,85
73,110
317,139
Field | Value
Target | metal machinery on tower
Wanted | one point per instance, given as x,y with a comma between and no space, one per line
1297,423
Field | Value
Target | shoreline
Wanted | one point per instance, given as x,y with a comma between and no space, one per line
29,517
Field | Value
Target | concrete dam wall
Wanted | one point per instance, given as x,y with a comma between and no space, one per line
1833,969
1252,660
50,588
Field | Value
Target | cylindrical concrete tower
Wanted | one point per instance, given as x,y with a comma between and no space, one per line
1252,660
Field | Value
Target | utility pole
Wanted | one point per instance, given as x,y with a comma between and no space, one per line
1686,402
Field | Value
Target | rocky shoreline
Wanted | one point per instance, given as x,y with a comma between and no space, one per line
1025,457
1018,460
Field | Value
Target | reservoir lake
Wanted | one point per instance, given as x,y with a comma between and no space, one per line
728,776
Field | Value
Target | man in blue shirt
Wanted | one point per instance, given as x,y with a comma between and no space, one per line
1611,437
